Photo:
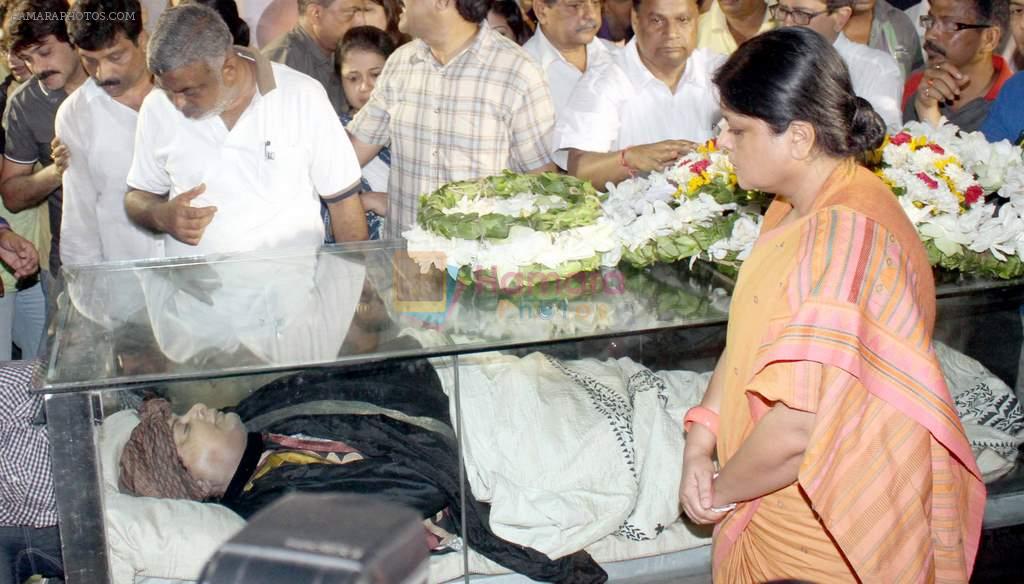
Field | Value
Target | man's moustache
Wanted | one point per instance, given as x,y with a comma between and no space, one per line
109,83
47,74
587,27
930,47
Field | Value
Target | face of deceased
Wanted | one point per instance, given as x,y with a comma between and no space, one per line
210,444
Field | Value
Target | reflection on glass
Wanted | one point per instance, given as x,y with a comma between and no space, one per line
196,318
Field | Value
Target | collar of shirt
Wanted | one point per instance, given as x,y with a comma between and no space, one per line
640,76
719,25
1003,73
483,43
54,96
596,49
265,81
312,47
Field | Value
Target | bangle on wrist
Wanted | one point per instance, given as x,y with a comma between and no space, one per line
703,416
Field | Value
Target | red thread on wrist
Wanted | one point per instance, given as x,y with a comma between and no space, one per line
622,161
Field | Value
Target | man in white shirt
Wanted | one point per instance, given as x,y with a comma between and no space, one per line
236,152
565,44
875,74
649,105
97,125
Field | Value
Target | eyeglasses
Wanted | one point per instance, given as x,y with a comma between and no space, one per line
929,22
779,13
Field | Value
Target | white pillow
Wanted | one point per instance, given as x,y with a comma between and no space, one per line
162,538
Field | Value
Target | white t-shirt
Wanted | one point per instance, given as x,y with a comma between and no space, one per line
563,75
265,175
100,133
876,77
622,104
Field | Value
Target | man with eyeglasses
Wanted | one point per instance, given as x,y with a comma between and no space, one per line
875,74
649,106
310,47
565,46
963,75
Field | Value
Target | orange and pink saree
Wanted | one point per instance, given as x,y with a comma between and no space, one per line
833,314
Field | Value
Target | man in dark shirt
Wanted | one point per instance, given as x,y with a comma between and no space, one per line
29,120
310,47
964,74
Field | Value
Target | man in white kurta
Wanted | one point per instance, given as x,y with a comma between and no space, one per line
237,158
648,106
565,44
97,125
875,74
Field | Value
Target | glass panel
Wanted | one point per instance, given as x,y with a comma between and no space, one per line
582,449
142,322
381,429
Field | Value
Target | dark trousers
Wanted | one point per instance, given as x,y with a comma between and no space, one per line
25,551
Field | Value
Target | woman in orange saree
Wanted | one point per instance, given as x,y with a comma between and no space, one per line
841,456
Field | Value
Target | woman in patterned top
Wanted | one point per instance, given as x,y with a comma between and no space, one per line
842,456
361,57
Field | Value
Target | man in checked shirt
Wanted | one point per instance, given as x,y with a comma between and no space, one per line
29,539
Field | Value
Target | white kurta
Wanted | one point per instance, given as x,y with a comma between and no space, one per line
100,133
622,104
876,77
265,175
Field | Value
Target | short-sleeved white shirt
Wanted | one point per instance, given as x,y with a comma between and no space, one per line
265,175
623,104
876,76
100,133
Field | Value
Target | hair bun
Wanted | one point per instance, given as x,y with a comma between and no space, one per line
867,130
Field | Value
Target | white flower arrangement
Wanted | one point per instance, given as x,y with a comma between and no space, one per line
945,182
691,210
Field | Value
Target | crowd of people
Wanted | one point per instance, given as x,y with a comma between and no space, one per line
418,95
123,143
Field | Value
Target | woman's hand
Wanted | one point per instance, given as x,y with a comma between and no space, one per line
695,490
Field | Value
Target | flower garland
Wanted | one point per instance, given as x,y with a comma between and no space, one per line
694,209
964,196
520,229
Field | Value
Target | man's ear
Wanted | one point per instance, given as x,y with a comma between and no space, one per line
209,489
442,5
541,8
229,70
990,38
841,17
143,41
800,139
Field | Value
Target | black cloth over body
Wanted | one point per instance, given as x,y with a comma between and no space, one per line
405,463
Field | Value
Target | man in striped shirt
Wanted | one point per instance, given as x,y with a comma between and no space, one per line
459,102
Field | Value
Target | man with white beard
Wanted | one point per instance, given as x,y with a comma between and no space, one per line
235,152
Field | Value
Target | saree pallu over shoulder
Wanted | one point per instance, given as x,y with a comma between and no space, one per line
888,469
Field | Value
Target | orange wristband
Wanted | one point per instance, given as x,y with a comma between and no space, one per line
702,416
